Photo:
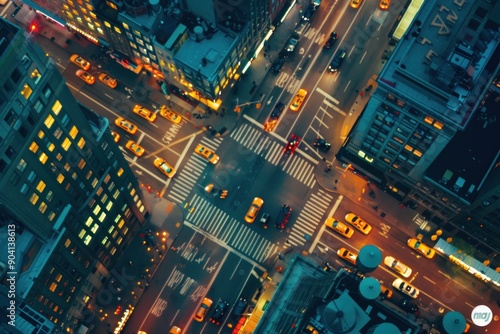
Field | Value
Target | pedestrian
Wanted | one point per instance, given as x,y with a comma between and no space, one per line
130,263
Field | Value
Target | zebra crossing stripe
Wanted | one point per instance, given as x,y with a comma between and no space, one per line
174,198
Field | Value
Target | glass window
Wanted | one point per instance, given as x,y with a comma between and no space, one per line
38,106
73,132
21,166
43,207
34,198
81,143
36,76
43,158
34,147
49,121
41,186
24,189
66,144
120,172
60,178
26,91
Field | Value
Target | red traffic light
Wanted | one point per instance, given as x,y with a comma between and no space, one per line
33,27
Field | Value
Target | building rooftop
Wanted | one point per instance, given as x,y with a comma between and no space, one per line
205,55
464,163
441,62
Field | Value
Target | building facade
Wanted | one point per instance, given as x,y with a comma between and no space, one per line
72,201
422,136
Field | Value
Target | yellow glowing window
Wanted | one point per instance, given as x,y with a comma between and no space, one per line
116,194
87,240
107,24
113,251
67,243
36,75
121,223
137,32
120,172
73,132
69,15
53,287
79,19
109,206
429,120
82,233
60,178
41,134
49,121
26,92
59,156
117,30
417,153
56,108
89,221
97,209
91,26
95,182
125,26
41,186
89,175
43,158
52,215
102,217
99,30
34,147
42,208
408,148
89,7
438,125
84,10
51,147
94,228
81,143
65,6
66,144
34,198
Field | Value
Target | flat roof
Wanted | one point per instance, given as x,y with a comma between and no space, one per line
207,55
439,61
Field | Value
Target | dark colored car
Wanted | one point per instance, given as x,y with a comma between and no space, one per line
278,64
410,307
219,312
292,145
322,144
264,220
331,41
273,118
240,306
309,12
337,61
283,216
292,43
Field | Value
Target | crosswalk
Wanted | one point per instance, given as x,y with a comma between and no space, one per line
263,145
230,231
309,218
187,177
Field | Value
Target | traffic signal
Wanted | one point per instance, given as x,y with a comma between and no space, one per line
258,105
33,28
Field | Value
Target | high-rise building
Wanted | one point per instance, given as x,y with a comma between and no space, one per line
67,194
428,135
198,46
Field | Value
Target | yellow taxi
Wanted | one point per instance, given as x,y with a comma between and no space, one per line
135,148
175,330
116,136
347,255
356,3
254,209
298,100
107,80
421,248
384,4
203,309
358,223
126,125
80,62
339,227
206,154
164,167
170,115
144,113
86,76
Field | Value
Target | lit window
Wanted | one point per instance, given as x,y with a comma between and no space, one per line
56,108
102,217
137,32
94,228
95,182
107,24
89,221
34,198
97,209
81,143
125,26
53,287
81,164
87,240
89,174
26,92
66,144
21,166
51,215
109,206
43,158
49,121
104,197
36,75
50,196
59,156
408,148
41,134
73,132
34,147
116,194
41,186
51,147
60,178
417,153
118,30
429,119
438,125
120,172
42,208
132,192
82,233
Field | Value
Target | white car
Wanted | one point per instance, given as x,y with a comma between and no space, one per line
397,266
405,288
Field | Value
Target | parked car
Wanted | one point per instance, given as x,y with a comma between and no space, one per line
337,61
421,248
283,216
240,306
358,223
80,62
278,64
405,288
330,42
397,266
203,309
264,220
107,80
292,43
309,12
409,307
339,227
86,76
